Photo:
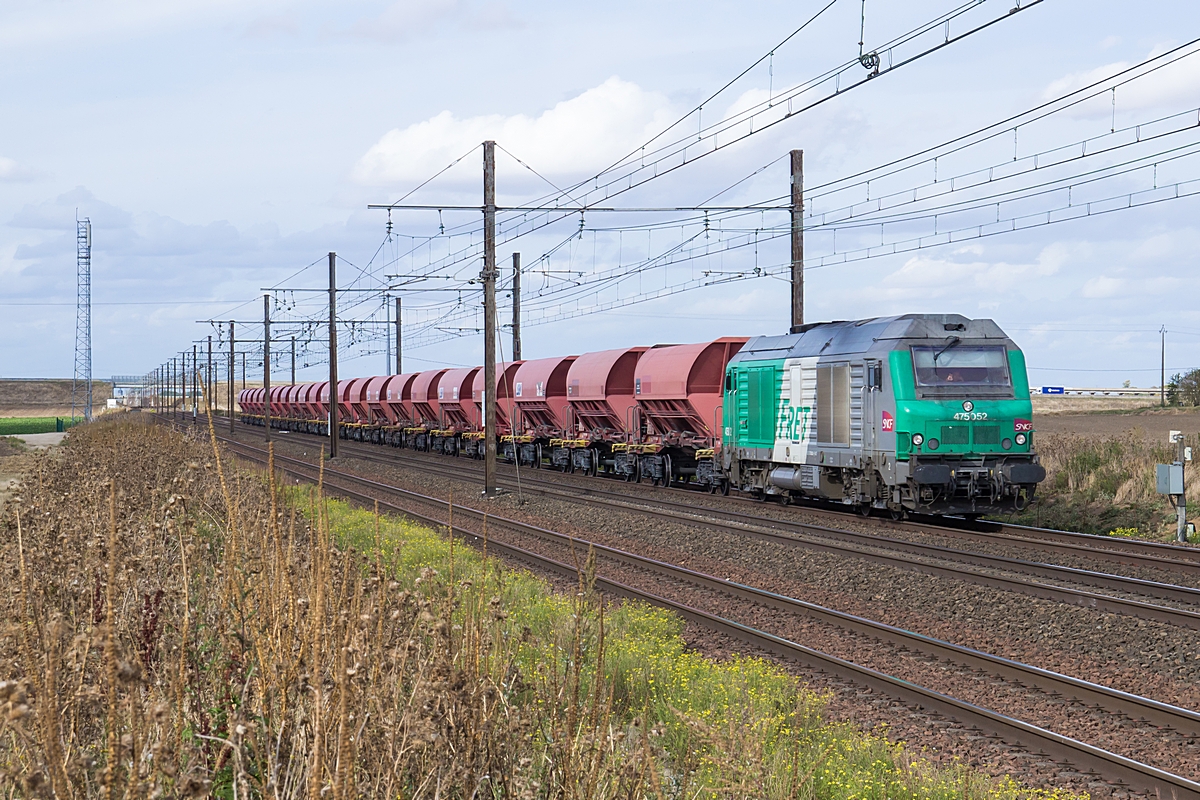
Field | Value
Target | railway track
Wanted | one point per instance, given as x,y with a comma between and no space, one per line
1021,576
1130,552
1085,757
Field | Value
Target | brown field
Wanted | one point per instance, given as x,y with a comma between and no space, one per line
1152,424
45,398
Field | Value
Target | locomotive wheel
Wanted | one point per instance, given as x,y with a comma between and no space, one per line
897,513
786,499
725,488
865,509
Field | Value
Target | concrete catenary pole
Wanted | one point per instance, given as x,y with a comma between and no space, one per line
516,321
267,367
399,339
797,238
489,318
333,378
195,381
232,376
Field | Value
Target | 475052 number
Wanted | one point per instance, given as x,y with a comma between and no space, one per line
970,416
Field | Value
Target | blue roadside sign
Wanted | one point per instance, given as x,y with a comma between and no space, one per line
1053,390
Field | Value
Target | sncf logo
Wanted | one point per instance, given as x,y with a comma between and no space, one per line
889,422
1022,425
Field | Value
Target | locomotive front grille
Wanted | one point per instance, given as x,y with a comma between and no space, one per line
956,434
987,434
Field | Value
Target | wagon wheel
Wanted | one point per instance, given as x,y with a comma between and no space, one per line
725,488
865,509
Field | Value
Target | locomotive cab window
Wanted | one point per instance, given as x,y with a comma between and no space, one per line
948,367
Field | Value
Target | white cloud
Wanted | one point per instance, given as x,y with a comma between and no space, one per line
930,276
590,130
12,172
1173,87
1103,286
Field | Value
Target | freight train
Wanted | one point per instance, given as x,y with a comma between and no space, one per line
922,413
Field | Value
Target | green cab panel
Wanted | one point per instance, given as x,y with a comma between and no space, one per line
752,403
946,422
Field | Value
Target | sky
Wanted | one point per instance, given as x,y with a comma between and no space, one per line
222,148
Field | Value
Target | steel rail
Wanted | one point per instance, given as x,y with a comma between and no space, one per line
1136,552
1166,591
743,525
1110,765
1130,552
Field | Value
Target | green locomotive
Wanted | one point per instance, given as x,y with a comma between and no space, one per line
926,413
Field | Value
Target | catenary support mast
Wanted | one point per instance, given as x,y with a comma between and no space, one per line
489,318
333,375
797,238
267,367
516,320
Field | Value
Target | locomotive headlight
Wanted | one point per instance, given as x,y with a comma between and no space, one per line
1021,438
968,406
1006,444
918,439
933,444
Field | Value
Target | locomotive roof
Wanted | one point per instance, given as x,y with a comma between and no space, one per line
860,336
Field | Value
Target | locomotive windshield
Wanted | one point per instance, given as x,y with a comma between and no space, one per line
953,365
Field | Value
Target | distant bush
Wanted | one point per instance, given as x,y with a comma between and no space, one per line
1184,389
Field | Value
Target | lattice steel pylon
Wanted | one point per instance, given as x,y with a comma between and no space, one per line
81,388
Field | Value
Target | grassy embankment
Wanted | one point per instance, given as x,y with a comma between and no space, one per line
1106,485
183,630
14,426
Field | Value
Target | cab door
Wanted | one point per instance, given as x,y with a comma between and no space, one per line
871,390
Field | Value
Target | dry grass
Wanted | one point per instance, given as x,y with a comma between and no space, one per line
175,629
1104,484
